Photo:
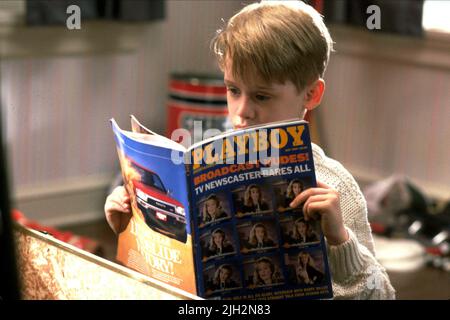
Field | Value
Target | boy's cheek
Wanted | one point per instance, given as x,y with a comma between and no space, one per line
231,111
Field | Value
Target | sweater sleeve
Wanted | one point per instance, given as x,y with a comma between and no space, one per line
356,273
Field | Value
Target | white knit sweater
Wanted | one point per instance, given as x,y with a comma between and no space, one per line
356,274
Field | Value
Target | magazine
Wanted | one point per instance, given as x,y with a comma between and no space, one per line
213,218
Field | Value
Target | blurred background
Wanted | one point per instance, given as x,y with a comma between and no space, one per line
384,116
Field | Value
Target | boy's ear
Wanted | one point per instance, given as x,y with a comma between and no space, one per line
314,94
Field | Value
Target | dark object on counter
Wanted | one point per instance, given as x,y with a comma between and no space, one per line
398,209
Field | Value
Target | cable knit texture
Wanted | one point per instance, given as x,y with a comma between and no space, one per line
356,274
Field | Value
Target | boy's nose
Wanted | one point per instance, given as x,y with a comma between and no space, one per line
245,112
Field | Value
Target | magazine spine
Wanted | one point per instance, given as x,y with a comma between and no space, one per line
191,221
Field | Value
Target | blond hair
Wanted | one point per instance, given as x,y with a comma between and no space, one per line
275,41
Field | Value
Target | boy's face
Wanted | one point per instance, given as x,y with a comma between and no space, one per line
258,103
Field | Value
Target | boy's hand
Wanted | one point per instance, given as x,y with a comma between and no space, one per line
323,202
117,209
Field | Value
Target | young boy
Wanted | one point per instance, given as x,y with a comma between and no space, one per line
274,55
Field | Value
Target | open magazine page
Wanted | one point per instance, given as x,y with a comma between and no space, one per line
157,241
136,126
249,243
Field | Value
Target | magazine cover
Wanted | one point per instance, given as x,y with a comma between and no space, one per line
249,243
157,241
219,223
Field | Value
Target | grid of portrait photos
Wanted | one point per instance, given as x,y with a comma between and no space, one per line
268,244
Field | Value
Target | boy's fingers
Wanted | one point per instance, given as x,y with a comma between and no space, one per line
312,210
322,188
119,200
115,205
119,189
303,196
113,208
317,198
121,192
125,203
124,194
323,185
119,196
314,199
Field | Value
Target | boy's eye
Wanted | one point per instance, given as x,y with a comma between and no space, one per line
262,97
233,91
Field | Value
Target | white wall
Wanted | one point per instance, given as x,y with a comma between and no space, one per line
380,115
58,105
386,108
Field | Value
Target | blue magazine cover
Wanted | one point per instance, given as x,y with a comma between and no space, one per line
234,189
249,243
158,240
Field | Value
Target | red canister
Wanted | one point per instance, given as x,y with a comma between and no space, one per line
196,97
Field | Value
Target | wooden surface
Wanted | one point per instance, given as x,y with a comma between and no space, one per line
50,269
426,283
